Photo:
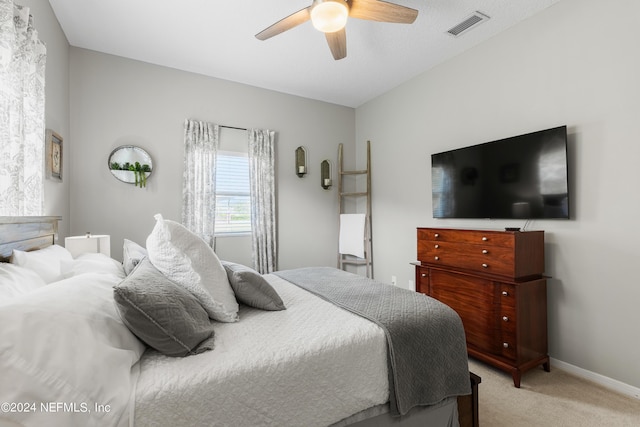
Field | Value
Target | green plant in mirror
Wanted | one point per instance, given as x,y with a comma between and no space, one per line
139,171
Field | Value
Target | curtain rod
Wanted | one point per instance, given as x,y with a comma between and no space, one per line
232,127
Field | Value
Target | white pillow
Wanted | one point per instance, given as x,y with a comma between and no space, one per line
132,254
91,263
187,260
65,342
45,262
16,280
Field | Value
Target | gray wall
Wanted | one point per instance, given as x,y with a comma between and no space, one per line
116,101
577,64
56,193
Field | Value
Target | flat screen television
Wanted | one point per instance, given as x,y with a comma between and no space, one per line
522,177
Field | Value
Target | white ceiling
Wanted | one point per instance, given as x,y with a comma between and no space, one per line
216,38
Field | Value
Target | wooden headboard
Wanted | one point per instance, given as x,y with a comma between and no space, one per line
26,233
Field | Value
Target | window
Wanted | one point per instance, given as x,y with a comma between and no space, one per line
233,203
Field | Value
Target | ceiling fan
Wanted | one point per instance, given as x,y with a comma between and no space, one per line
330,17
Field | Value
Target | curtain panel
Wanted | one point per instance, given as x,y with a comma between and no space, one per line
201,143
263,199
22,122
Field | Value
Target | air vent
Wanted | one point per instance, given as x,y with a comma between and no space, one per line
475,19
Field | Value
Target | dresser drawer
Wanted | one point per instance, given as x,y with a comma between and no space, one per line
422,280
508,346
489,237
510,254
506,295
507,319
482,258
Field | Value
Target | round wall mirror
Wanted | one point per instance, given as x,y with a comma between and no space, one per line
131,164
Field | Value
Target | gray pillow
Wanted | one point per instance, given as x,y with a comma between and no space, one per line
162,314
251,288
132,254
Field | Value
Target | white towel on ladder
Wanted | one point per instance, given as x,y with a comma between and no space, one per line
351,240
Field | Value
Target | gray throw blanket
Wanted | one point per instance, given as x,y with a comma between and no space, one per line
427,353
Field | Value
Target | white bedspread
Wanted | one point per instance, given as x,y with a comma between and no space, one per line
312,364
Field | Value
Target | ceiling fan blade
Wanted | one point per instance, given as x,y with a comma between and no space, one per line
337,43
285,24
382,11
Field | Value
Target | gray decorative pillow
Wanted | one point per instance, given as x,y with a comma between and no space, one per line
132,254
162,314
251,288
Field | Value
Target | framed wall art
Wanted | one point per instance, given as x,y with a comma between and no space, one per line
53,154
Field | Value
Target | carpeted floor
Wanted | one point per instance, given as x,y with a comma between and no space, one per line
550,399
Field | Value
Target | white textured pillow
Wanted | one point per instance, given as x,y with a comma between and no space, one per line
16,280
65,342
187,260
91,263
45,262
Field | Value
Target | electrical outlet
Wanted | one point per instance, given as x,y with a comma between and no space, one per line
393,280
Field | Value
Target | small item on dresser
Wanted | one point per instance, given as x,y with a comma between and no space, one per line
512,229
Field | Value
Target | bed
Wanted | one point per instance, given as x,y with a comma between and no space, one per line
71,353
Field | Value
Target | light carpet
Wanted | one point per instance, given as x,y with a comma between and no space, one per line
550,399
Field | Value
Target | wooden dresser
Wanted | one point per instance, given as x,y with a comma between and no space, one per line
494,281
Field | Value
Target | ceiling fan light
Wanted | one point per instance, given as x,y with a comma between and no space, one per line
329,16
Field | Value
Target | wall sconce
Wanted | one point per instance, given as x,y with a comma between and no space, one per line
325,174
301,161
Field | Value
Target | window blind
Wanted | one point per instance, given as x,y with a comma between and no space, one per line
233,203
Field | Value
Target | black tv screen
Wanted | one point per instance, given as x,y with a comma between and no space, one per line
522,177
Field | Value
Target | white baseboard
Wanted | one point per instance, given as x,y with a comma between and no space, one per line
607,382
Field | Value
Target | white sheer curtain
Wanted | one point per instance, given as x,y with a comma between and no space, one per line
263,199
22,129
201,142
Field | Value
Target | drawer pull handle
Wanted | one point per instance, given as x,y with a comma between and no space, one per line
436,258
484,251
436,246
485,265
505,318
484,239
505,293
505,344
436,235
424,274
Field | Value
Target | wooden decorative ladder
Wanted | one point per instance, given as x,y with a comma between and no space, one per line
343,259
